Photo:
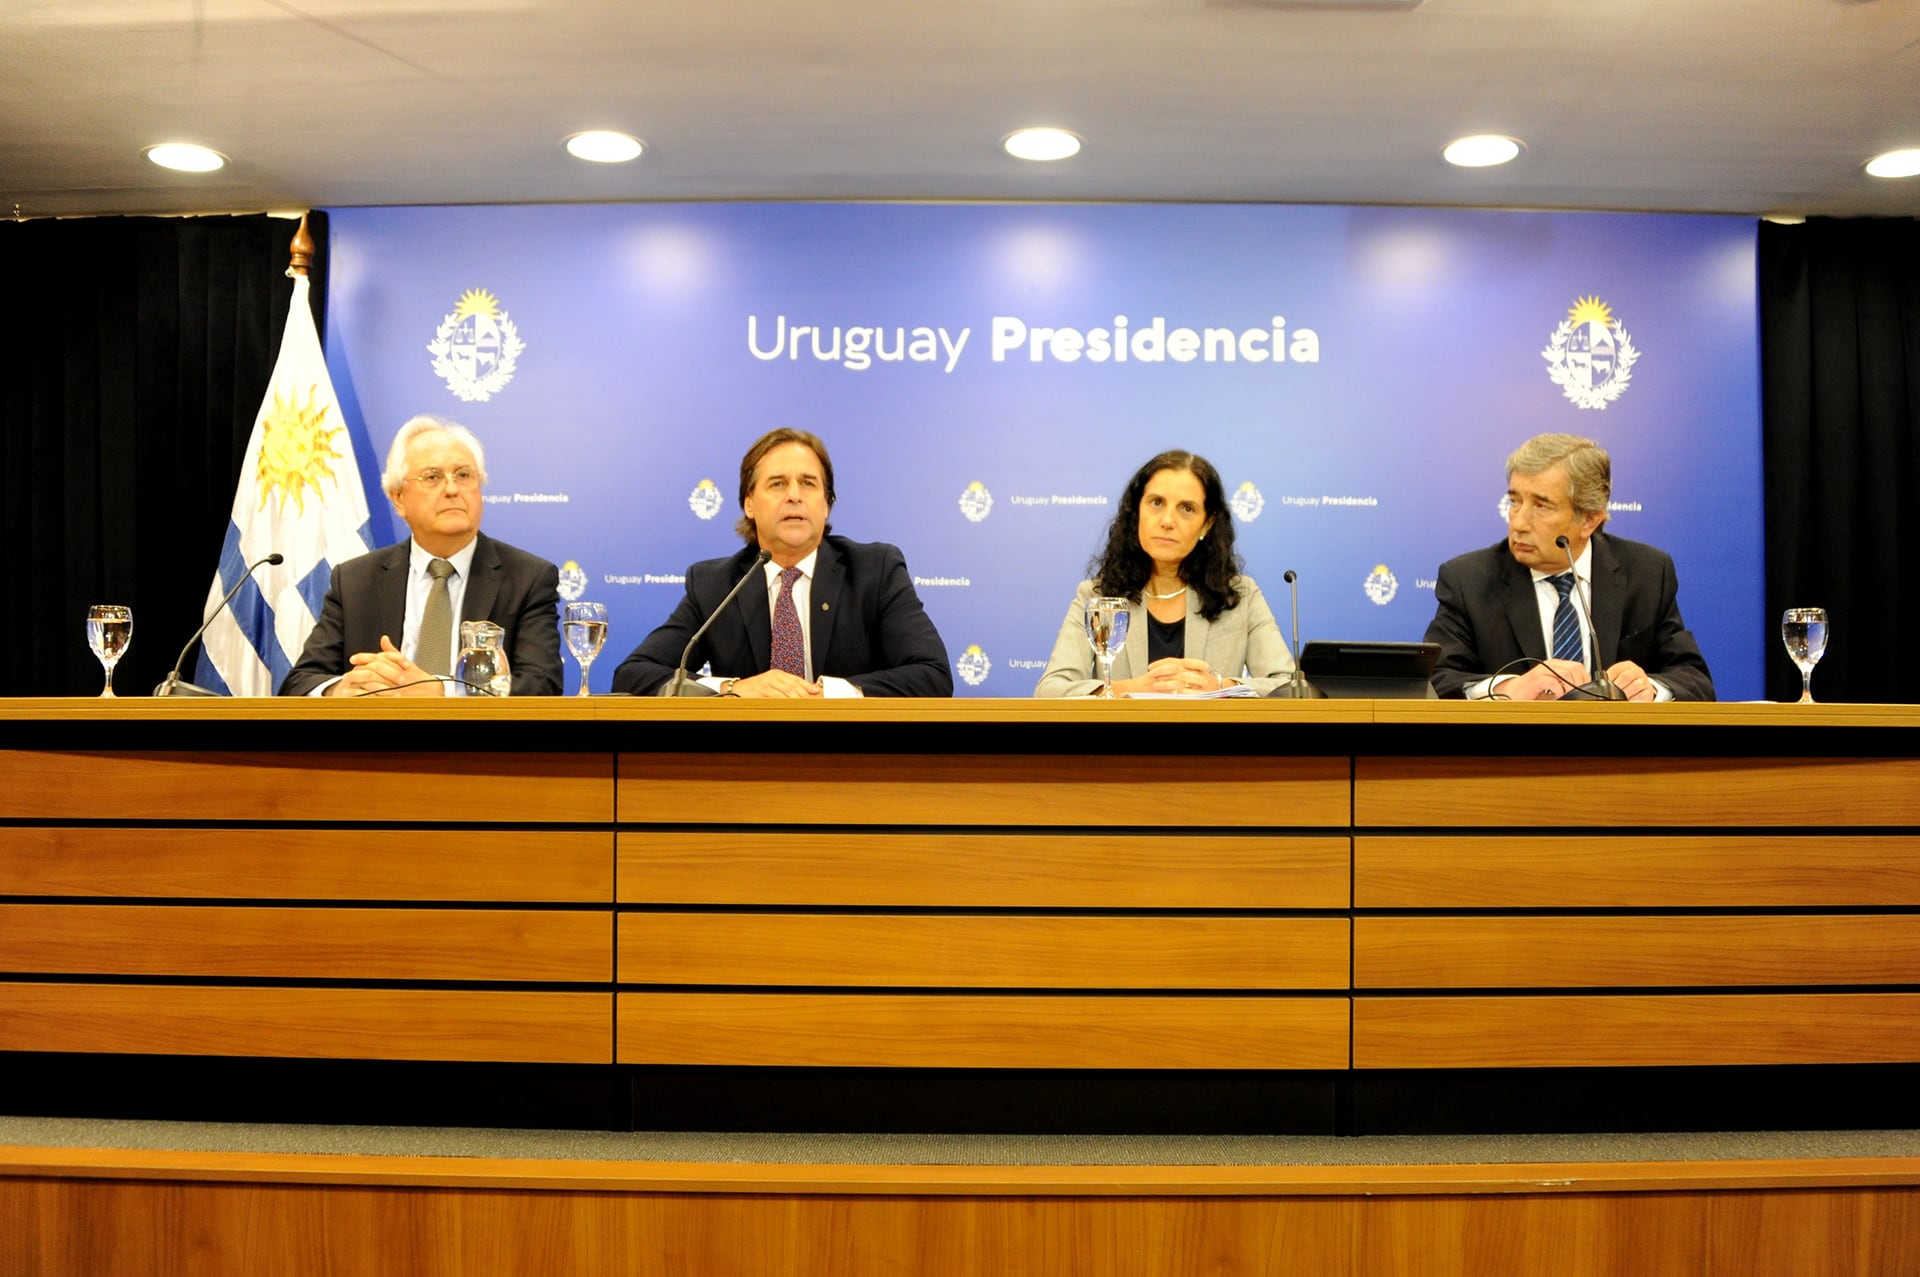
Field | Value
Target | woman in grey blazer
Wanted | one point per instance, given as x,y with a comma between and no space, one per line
1194,623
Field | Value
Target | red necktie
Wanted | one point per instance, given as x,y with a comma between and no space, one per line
789,644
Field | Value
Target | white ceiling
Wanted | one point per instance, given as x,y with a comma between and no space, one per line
1742,106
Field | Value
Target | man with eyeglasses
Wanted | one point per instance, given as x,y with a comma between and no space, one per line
1511,620
391,620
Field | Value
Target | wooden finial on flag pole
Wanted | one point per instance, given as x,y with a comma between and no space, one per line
302,255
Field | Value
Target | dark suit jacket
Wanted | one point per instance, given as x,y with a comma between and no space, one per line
867,626
1488,616
367,597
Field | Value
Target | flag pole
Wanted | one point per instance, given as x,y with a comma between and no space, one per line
300,255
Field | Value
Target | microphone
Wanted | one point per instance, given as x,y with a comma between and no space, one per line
680,685
1601,688
173,685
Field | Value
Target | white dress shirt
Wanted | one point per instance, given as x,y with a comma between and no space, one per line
803,605
1547,596
419,585
419,582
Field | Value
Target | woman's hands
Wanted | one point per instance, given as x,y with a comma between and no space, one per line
1172,674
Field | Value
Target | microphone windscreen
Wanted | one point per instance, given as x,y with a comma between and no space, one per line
276,559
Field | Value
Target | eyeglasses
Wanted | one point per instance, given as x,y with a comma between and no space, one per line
464,477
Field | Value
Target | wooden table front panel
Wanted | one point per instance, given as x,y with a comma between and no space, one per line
376,788
983,1031
1652,870
1551,791
532,866
189,941
983,951
984,790
1166,870
262,866
1642,950
514,1026
1572,1030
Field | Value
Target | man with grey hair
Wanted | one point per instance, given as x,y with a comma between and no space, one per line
391,619
1512,621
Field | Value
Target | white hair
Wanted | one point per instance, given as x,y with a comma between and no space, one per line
396,472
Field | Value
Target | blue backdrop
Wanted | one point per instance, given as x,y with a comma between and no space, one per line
987,377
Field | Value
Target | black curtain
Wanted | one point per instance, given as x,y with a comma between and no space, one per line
1840,403
134,352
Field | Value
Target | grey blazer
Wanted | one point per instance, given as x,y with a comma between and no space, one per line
1243,642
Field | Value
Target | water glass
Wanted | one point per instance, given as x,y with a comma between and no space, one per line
1107,620
109,634
585,628
1804,631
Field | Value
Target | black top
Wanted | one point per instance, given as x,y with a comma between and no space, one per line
1165,638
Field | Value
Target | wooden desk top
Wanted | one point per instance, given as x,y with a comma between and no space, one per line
979,711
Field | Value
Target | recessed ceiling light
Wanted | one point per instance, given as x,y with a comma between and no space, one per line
186,157
1482,150
1895,164
1041,144
604,146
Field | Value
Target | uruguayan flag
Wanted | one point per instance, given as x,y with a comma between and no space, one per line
300,495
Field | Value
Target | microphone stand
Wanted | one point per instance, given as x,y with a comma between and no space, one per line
1297,687
173,684
1601,687
680,686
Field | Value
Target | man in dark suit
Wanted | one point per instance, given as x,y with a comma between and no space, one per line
831,617
419,591
1512,625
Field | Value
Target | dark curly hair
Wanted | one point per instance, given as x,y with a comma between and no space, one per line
1123,569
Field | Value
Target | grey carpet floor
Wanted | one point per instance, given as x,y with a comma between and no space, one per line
954,1150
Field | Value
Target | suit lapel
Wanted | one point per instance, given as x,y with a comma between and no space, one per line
483,581
829,579
1609,600
1199,629
1523,609
752,612
390,597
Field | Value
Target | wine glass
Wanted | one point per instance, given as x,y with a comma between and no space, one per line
586,629
1107,631
1804,631
109,634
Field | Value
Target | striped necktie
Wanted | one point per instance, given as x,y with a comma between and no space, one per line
1566,623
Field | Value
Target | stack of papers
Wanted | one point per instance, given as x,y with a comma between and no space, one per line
1238,689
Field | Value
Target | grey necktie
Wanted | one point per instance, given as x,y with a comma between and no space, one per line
434,652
